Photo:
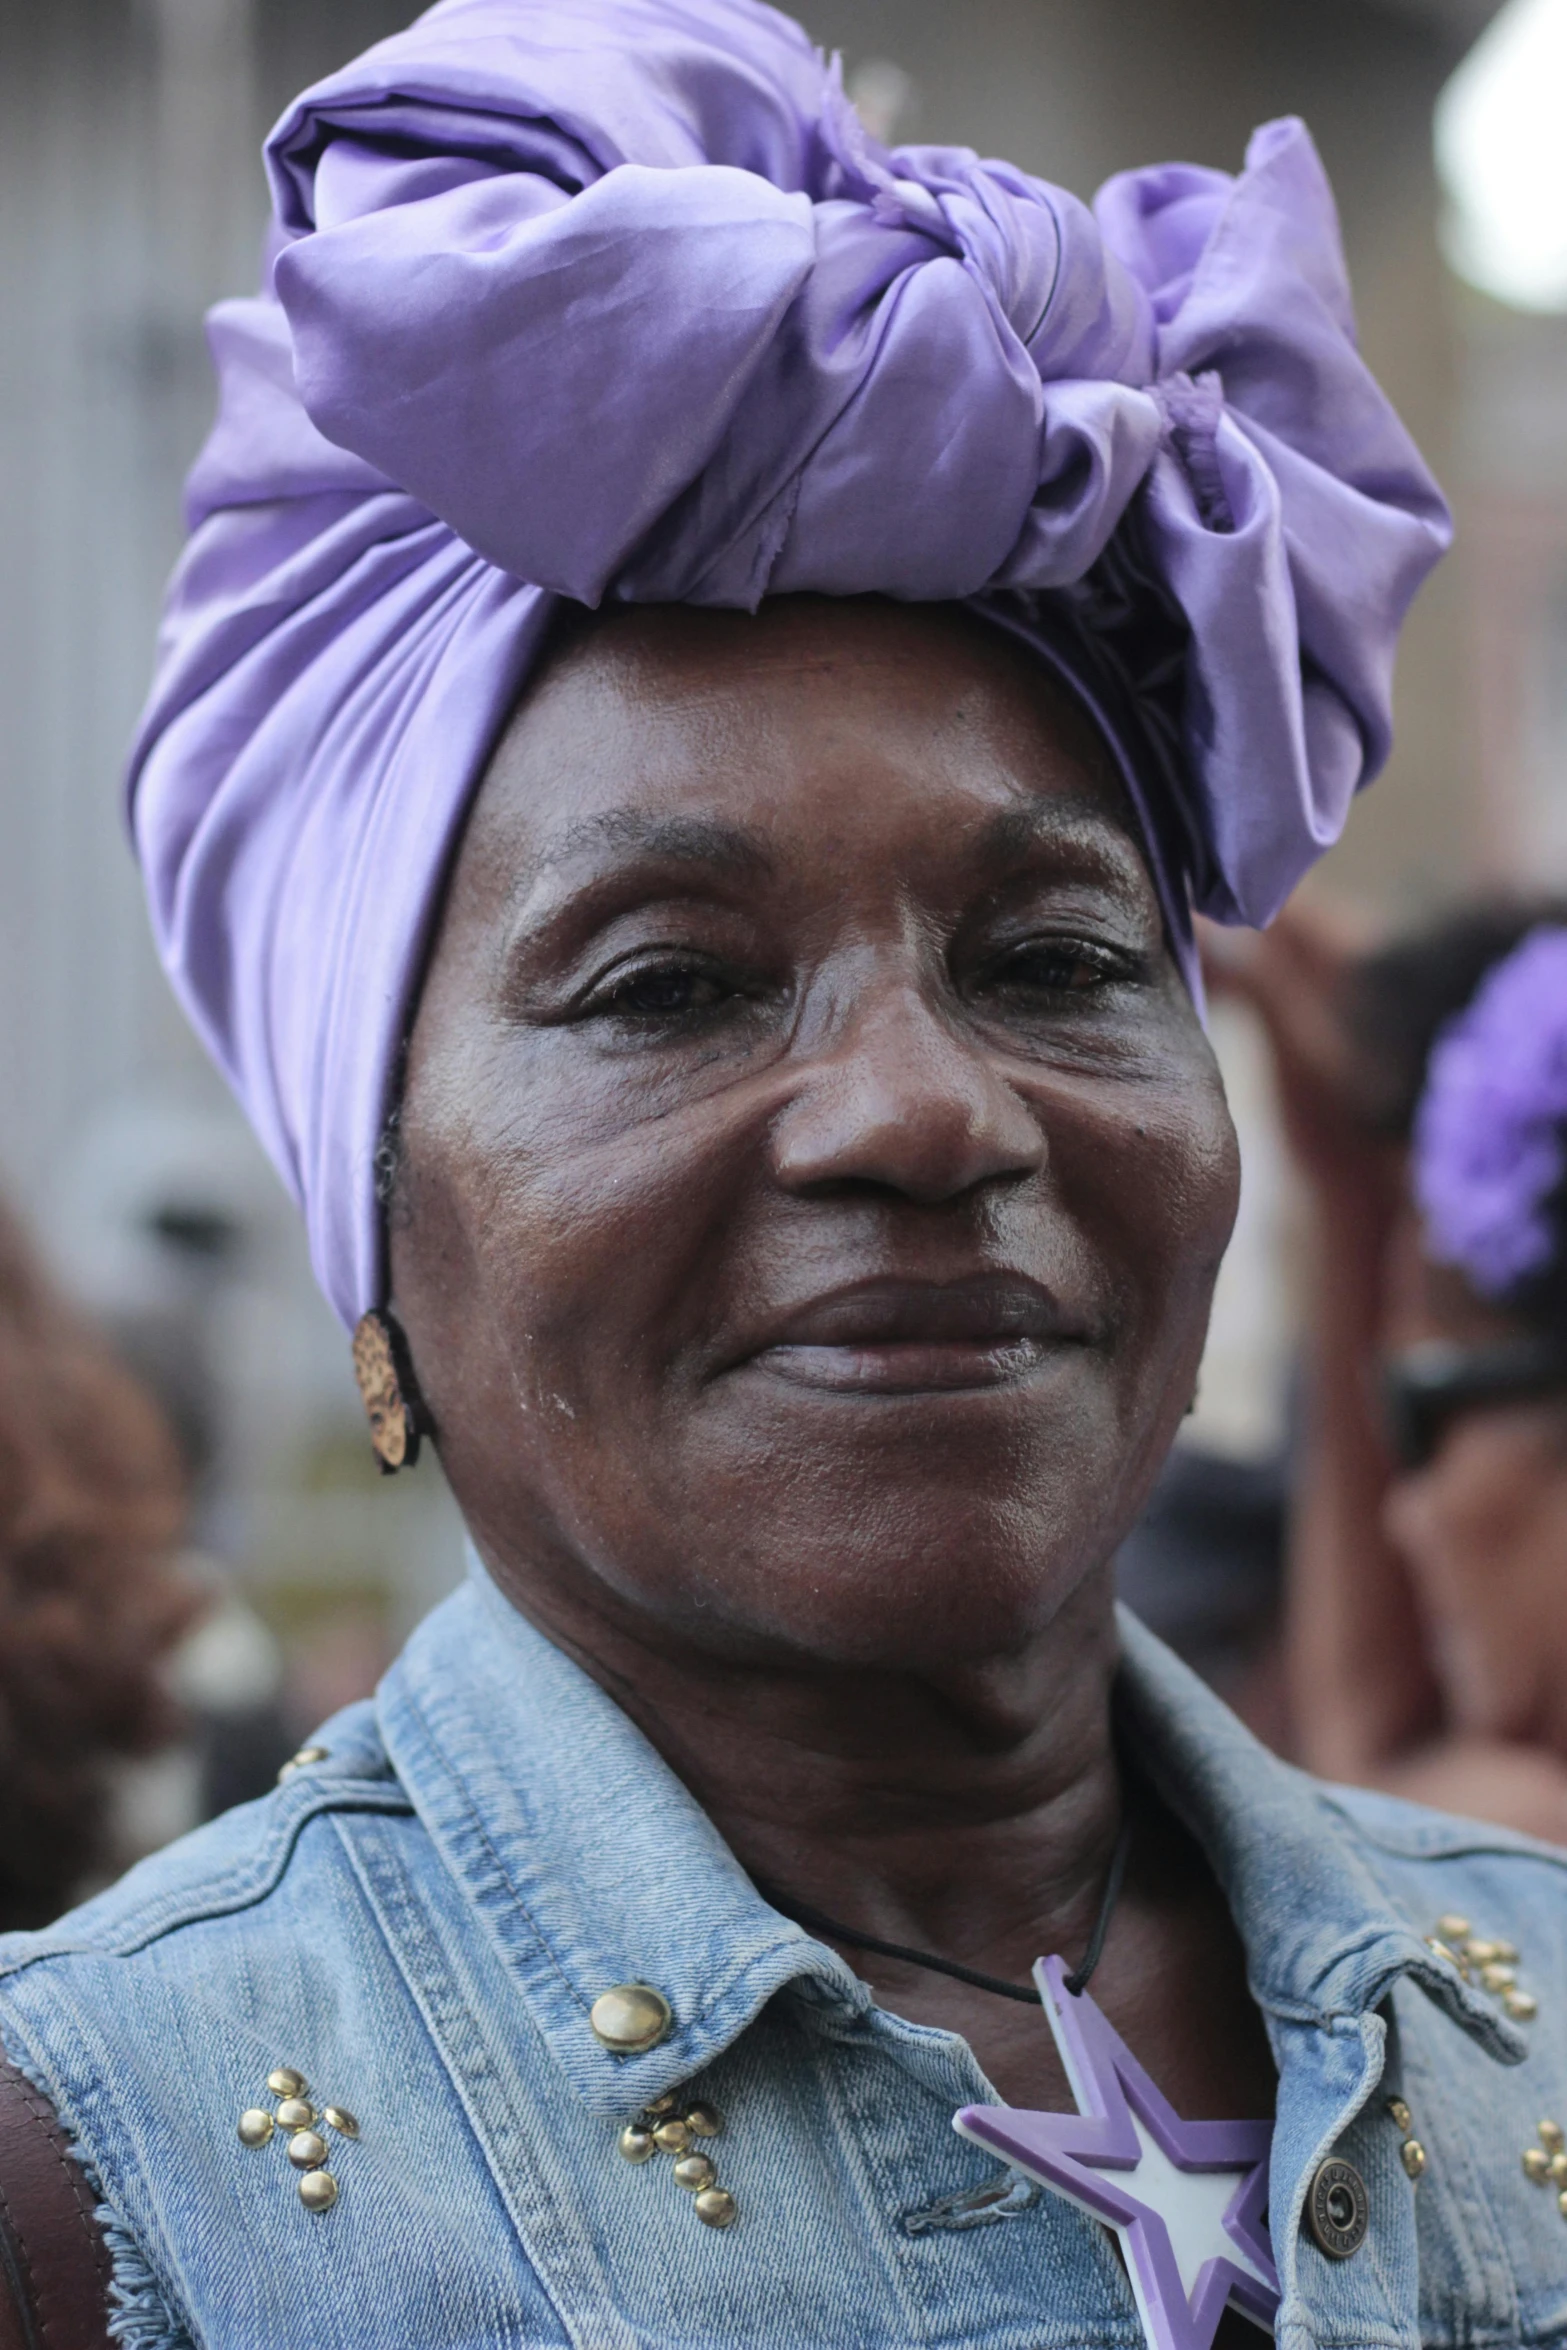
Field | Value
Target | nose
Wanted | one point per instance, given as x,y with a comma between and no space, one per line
902,1101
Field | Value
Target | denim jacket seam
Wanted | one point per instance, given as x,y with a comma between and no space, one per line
1460,1839
476,1825
224,1894
423,1967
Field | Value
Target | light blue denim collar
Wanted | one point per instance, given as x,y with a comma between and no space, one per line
590,1864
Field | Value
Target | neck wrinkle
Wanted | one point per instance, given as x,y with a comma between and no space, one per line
954,1813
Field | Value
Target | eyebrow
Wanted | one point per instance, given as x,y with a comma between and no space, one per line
682,840
1014,831
1006,839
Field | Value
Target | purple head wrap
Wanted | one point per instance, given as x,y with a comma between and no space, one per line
1491,1129
614,299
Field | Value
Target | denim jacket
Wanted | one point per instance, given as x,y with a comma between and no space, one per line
420,1919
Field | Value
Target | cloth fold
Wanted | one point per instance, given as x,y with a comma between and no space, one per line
617,301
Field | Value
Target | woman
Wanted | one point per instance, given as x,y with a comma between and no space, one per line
1423,1091
737,1060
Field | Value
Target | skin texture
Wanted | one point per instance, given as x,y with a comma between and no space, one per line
1426,1639
813,1176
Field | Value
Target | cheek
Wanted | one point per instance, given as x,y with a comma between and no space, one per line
589,1235
1155,1187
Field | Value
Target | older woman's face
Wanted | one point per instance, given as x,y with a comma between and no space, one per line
814,1173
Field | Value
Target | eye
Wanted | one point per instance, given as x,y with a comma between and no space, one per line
1060,967
673,989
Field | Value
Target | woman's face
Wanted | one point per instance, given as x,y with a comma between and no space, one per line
1482,1525
813,1171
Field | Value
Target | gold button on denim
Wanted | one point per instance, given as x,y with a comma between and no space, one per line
255,2126
704,2121
318,2190
694,2171
306,2148
338,2117
295,2113
636,2144
285,2082
1413,2155
630,2018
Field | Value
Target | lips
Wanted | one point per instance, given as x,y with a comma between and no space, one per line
892,1337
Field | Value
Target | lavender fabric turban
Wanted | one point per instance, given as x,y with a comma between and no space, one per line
615,299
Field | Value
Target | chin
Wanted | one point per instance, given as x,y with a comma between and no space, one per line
898,1586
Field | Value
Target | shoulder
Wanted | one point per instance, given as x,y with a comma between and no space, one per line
1438,1866
238,1862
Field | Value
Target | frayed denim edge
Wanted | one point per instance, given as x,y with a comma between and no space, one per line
140,2316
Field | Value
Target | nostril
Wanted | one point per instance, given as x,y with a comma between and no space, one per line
884,1134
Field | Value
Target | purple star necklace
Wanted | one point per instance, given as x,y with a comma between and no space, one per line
1185,2199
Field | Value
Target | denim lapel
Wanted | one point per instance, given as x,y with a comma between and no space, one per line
587,1859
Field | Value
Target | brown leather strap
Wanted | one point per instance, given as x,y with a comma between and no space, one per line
54,2264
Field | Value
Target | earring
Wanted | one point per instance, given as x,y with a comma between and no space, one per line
391,1394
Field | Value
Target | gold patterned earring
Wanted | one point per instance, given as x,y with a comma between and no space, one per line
392,1402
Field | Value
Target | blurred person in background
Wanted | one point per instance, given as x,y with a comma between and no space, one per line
91,1509
1423,1087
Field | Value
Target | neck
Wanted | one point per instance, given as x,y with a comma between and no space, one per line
969,1810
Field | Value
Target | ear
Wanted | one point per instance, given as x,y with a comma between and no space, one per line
393,1405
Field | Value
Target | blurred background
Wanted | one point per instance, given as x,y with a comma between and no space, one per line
131,196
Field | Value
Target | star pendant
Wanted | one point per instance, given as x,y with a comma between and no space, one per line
1186,2199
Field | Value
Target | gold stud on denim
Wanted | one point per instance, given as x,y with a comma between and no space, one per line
294,2121
667,2125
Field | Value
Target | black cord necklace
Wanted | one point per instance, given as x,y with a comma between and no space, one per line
816,1923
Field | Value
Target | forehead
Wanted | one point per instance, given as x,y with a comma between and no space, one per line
880,722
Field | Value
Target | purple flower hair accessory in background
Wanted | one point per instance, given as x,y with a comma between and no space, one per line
1491,1130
